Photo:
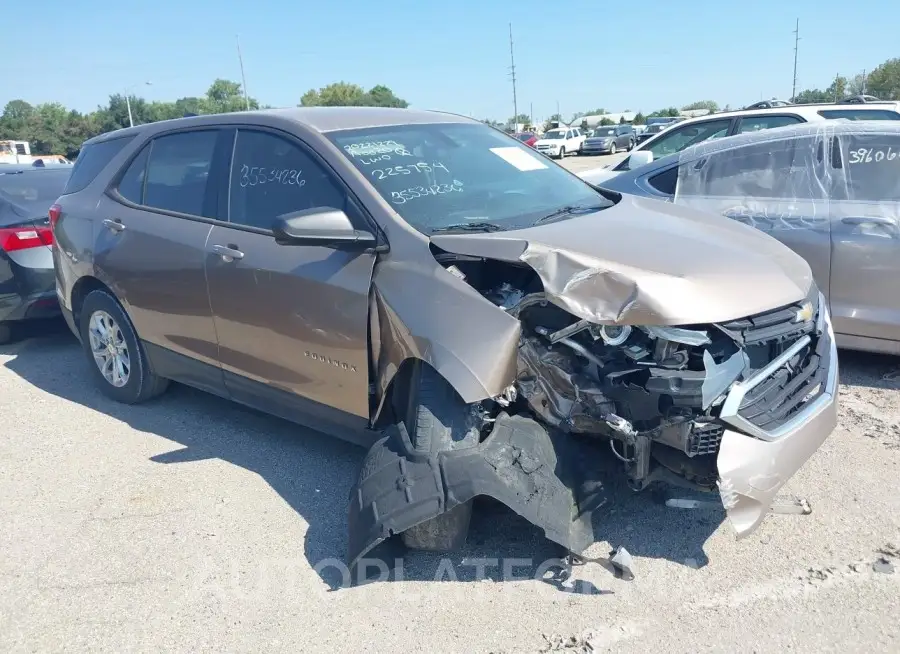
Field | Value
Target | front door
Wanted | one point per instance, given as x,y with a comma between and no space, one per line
292,321
865,291
779,186
150,244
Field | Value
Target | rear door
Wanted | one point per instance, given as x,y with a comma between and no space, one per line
150,245
765,121
292,321
865,274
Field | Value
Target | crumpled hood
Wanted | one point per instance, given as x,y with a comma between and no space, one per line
646,262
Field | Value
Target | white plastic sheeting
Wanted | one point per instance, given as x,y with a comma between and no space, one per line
798,177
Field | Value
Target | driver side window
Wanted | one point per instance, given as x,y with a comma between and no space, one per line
271,176
680,138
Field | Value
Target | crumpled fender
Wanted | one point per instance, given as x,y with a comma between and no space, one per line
537,475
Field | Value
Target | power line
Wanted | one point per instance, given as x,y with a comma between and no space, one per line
243,78
796,50
512,74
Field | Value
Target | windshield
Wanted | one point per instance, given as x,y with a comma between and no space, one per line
448,174
33,191
606,131
658,127
554,134
524,137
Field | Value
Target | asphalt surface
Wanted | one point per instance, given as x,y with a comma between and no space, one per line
192,524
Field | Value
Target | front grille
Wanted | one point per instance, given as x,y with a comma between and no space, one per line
705,438
788,389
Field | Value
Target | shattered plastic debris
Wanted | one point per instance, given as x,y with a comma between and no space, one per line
883,566
622,563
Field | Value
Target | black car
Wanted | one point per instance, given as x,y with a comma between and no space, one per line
27,279
652,130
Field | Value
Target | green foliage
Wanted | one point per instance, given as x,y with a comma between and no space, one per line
548,124
606,121
344,94
53,129
883,82
671,112
639,119
622,120
702,104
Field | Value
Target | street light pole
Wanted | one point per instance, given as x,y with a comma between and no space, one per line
128,103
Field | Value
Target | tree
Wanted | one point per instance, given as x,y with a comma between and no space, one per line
344,94
606,121
884,81
671,112
521,119
622,120
555,118
639,119
711,105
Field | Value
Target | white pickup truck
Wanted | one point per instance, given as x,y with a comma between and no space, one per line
561,141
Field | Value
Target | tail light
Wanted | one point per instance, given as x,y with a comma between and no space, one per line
54,213
24,237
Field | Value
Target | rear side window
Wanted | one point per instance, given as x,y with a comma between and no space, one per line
131,186
871,166
860,114
91,160
178,172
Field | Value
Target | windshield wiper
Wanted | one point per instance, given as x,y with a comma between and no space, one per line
570,210
469,227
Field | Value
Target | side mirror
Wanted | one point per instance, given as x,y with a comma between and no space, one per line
639,158
323,227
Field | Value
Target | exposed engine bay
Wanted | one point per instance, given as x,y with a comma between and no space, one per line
655,393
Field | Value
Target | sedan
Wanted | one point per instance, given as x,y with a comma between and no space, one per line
528,138
830,191
27,280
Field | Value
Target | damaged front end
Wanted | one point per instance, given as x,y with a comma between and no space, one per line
734,406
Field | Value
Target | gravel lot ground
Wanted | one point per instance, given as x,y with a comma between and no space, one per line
192,524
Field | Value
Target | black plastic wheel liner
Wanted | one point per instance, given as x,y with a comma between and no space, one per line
546,478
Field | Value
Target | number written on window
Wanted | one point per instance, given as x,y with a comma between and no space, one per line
256,175
873,155
421,167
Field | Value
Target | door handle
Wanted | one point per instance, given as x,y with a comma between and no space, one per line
228,252
871,220
114,225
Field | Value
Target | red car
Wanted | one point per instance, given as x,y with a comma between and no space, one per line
528,138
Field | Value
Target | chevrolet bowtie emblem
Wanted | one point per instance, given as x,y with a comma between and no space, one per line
804,313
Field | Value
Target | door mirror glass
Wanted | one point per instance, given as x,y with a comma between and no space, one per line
323,227
639,158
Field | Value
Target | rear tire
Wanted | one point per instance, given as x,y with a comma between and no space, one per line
438,420
106,330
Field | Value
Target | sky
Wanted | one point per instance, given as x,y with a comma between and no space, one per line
438,55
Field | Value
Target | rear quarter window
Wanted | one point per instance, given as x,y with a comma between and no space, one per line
91,160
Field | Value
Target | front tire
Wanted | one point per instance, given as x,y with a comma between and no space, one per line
115,355
612,149
438,420
562,152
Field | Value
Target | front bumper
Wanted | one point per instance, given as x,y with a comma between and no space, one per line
596,148
753,468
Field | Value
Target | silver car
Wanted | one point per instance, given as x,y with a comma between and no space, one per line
829,191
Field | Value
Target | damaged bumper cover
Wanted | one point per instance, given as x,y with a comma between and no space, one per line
541,477
755,463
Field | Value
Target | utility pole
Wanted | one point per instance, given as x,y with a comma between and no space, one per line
512,74
796,50
531,113
836,76
864,82
558,115
243,78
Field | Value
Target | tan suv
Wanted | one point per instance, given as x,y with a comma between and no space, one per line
424,285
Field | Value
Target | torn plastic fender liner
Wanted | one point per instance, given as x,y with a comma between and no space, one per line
537,475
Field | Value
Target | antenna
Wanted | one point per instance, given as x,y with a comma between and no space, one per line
796,49
512,74
243,78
